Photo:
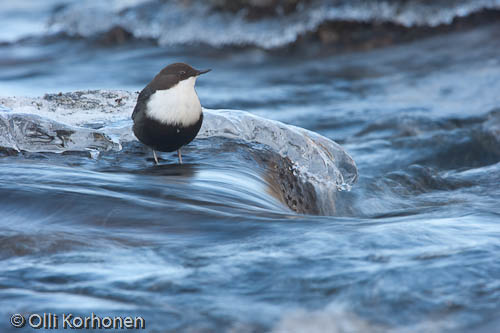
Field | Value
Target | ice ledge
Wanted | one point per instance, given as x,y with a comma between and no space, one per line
99,120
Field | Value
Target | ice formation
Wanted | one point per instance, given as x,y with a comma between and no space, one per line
309,168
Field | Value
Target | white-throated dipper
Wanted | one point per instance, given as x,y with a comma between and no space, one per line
168,112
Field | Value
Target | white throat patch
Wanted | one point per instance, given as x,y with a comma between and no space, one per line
177,105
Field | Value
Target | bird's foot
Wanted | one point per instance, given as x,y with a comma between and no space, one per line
180,156
155,157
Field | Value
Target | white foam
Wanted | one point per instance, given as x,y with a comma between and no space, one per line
337,318
332,319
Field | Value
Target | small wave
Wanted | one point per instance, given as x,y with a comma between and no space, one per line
25,18
173,23
445,143
339,318
333,316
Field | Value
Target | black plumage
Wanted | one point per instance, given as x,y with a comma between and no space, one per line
164,137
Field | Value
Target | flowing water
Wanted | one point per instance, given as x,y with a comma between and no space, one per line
222,243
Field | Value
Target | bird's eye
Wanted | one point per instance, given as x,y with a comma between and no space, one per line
182,72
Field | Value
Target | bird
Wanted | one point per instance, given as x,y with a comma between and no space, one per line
168,113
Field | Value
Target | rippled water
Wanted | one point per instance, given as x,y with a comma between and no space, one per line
211,246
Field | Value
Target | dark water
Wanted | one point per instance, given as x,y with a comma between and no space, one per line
207,246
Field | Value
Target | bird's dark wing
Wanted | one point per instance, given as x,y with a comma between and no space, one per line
142,99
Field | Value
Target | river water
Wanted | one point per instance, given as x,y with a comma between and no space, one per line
210,246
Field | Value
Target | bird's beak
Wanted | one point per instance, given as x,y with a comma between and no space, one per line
203,71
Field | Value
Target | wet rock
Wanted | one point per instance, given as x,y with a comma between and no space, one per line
257,9
115,36
299,195
344,35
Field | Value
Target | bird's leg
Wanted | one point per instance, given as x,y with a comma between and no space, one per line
156,158
180,156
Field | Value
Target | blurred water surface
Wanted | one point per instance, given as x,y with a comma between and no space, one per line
206,246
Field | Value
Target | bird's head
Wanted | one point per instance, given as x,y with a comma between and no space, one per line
172,98
182,71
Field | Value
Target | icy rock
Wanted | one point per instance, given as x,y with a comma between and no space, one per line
82,108
32,133
306,169
313,156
